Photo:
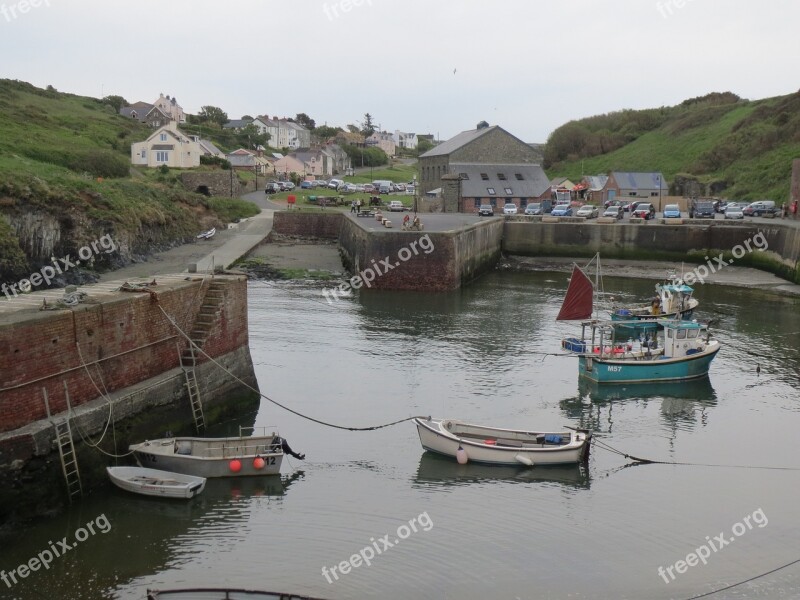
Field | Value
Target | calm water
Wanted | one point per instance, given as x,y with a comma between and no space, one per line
478,355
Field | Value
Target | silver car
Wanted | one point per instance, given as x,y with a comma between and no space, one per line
734,211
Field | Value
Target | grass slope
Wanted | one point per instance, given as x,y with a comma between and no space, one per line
744,148
67,156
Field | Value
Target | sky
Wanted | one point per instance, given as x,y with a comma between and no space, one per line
425,66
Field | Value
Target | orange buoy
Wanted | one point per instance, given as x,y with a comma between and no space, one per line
258,463
235,465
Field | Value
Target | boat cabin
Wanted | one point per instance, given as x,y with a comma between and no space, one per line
682,338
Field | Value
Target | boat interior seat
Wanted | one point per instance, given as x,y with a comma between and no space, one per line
508,442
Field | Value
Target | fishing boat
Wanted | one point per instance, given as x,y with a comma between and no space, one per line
680,351
215,457
153,482
491,445
222,594
207,235
672,301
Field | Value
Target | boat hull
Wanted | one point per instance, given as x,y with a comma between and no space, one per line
610,370
156,483
219,460
435,438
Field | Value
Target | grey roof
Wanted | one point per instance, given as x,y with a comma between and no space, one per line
533,183
596,182
241,160
559,180
163,146
237,123
209,147
140,108
639,181
456,142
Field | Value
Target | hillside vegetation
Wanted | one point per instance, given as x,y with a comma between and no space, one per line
65,169
717,144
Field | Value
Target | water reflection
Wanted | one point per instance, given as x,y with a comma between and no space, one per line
444,472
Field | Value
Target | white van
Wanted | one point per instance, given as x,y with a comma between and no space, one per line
383,186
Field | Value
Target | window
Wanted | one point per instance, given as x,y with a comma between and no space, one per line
523,202
463,176
485,176
509,191
501,176
163,137
692,333
631,193
144,153
519,176
491,191
162,156
681,334
493,202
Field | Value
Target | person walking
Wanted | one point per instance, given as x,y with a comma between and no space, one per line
352,206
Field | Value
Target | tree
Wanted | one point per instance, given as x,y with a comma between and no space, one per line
325,132
306,121
353,129
116,101
247,118
250,137
423,146
368,127
212,114
482,125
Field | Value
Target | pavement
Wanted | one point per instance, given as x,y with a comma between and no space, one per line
248,234
435,222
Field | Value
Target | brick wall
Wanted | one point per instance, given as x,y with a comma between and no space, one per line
128,335
311,225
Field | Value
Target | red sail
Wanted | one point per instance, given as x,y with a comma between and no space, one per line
578,301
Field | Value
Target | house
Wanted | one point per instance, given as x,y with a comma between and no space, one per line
593,188
167,146
489,145
287,165
340,159
146,113
283,133
562,183
171,108
633,186
298,136
208,148
405,140
497,184
350,138
247,160
383,140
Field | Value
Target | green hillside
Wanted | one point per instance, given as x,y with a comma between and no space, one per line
731,147
64,159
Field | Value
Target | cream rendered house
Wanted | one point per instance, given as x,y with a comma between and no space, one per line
167,146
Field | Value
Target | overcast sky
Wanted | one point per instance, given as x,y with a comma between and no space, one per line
429,66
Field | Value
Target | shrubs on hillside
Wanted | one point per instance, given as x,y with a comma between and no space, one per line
95,161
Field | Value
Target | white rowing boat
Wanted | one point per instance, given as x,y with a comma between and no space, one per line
152,482
491,445
207,235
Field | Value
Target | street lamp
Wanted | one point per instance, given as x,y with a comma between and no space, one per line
416,191
658,180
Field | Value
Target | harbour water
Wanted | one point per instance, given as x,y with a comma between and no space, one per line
485,354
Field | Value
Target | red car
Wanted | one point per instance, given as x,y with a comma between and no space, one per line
644,211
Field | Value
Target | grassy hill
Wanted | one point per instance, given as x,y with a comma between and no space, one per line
64,165
731,147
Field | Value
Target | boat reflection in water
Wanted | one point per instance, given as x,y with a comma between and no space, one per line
441,471
681,403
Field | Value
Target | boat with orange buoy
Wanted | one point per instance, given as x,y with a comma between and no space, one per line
241,456
491,445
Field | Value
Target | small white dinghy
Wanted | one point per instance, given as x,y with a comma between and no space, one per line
207,235
152,482
495,446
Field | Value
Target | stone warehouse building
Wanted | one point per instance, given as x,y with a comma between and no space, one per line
489,145
494,184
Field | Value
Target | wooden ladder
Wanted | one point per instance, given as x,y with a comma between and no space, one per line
188,362
66,450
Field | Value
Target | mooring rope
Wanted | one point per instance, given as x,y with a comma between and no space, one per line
275,402
647,461
733,585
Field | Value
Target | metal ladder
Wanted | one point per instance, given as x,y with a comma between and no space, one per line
66,450
193,389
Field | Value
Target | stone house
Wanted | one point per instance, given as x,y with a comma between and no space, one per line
171,108
148,114
383,140
496,184
490,145
167,146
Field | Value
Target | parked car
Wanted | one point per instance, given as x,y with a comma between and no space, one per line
321,183
335,183
644,210
534,209
272,188
485,210
626,206
589,211
734,211
410,189
615,212
510,208
306,185
762,207
287,186
348,188
701,209
562,210
385,189
396,206
360,187
399,187
672,211
369,188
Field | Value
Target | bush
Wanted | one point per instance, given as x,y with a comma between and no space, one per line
215,160
96,162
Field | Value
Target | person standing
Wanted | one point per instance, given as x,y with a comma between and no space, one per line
794,209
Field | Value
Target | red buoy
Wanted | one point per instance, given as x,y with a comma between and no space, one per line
258,463
235,465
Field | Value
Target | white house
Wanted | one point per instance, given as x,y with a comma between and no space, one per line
167,146
405,140
170,107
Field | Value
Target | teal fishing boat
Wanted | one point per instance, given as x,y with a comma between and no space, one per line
680,351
